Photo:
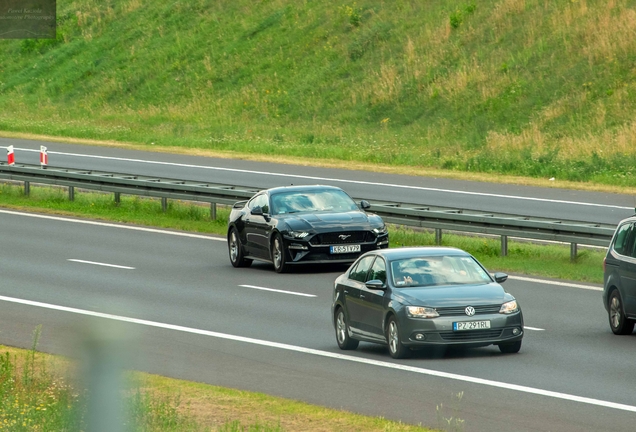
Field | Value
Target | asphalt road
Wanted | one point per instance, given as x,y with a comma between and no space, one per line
184,311
554,203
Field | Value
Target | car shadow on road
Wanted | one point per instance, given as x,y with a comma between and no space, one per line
301,269
435,353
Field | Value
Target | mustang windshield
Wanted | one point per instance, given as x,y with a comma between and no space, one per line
438,270
312,201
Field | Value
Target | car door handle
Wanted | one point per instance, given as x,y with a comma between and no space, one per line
361,296
346,292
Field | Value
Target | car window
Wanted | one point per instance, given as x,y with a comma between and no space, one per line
438,270
259,201
378,270
624,240
312,201
360,271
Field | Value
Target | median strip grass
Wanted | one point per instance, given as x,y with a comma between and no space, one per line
528,258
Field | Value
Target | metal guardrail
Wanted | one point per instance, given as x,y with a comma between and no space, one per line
415,215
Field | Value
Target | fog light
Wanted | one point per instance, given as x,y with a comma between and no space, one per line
516,331
420,336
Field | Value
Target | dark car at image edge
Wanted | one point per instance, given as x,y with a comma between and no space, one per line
291,225
619,278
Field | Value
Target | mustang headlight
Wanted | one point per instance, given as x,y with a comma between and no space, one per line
298,234
421,312
380,231
509,307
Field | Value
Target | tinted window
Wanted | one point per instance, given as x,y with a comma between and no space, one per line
259,201
361,269
624,241
312,201
378,270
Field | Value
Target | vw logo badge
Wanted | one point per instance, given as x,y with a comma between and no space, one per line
470,311
344,237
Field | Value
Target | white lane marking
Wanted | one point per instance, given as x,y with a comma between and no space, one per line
326,354
549,282
341,180
101,264
533,328
110,225
278,291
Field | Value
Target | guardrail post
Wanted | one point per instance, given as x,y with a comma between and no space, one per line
117,198
27,188
438,236
573,251
504,245
71,193
213,211
164,204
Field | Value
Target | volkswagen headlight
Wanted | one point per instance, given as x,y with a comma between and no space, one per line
509,307
421,312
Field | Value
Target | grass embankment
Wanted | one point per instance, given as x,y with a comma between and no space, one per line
42,392
527,88
526,258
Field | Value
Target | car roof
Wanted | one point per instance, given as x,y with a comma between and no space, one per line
628,219
419,251
301,188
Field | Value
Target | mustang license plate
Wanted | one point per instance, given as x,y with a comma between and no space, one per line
345,249
471,325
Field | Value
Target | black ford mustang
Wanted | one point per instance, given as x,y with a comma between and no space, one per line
302,224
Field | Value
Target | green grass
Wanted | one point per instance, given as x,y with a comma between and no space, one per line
39,391
525,258
528,88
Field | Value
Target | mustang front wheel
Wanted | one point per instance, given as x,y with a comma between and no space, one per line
278,254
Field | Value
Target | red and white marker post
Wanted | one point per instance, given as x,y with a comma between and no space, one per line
10,156
44,157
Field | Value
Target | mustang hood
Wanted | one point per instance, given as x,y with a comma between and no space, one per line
336,221
455,295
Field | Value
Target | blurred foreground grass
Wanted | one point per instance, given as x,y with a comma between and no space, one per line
40,391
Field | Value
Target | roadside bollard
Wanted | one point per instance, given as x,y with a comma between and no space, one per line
10,156
44,157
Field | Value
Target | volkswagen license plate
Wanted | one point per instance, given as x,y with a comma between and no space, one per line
471,325
345,249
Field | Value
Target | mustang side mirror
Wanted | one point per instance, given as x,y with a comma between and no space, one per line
364,205
500,277
375,284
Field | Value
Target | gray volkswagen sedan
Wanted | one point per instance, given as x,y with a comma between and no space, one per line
410,298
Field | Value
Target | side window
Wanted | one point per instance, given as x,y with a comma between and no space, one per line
624,241
378,270
259,201
361,270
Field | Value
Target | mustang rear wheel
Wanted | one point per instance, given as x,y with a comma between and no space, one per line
396,348
619,324
278,254
342,332
237,258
